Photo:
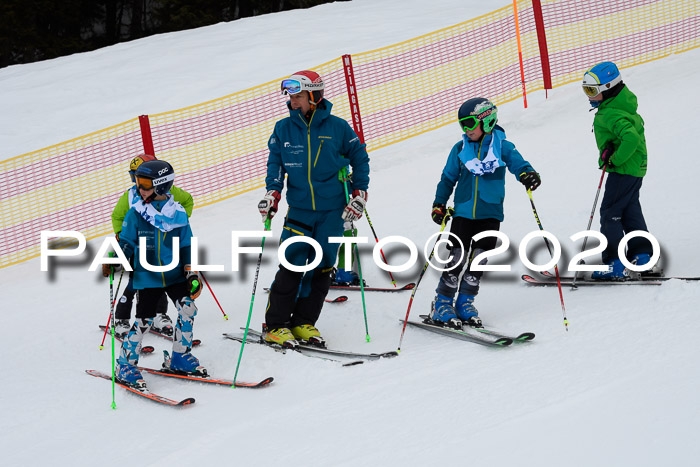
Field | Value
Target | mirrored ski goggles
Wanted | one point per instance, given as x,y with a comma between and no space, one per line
144,183
469,123
591,91
291,86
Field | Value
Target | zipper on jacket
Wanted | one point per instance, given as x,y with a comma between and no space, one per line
308,142
318,153
476,181
162,274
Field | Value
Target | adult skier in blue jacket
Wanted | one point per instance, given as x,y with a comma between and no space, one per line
310,147
477,165
159,220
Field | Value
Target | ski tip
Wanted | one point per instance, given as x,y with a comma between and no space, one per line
147,349
188,401
504,341
526,337
409,286
261,384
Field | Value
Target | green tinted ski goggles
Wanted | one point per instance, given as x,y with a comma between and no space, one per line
469,123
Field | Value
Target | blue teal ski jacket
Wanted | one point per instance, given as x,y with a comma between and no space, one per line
311,154
159,250
479,197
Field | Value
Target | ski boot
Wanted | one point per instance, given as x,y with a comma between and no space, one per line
308,334
163,325
466,312
280,336
442,313
343,278
130,375
644,258
183,363
616,271
121,328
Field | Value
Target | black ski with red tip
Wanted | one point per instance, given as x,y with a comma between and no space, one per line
148,395
206,379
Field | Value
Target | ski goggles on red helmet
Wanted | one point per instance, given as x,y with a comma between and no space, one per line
469,123
291,86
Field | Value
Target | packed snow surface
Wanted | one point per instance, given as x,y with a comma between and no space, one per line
621,387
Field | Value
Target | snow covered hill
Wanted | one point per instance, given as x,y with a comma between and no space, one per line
619,388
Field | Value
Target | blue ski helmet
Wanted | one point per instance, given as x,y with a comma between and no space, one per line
160,173
601,77
477,110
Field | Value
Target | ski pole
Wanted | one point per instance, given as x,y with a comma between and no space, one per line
343,175
590,221
450,213
393,281
556,269
109,318
268,221
111,314
212,294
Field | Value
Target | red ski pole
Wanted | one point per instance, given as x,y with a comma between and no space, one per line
449,214
590,220
212,294
111,311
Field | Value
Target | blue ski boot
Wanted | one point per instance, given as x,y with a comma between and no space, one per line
443,313
465,310
644,258
130,375
616,271
185,363
346,278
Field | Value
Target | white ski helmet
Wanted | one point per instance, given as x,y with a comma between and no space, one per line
304,81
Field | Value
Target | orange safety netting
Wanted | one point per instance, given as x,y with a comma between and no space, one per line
219,148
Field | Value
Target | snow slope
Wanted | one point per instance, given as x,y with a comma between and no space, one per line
620,388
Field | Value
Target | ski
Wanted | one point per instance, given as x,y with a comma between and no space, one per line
251,339
468,333
585,283
340,299
313,351
195,342
356,288
522,337
145,350
147,394
206,379
332,352
551,276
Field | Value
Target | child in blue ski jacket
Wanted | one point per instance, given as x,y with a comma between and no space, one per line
477,165
159,220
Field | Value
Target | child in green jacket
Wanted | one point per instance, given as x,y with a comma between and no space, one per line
619,134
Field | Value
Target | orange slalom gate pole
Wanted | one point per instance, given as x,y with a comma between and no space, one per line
520,51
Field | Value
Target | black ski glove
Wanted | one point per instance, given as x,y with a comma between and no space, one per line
438,213
531,180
